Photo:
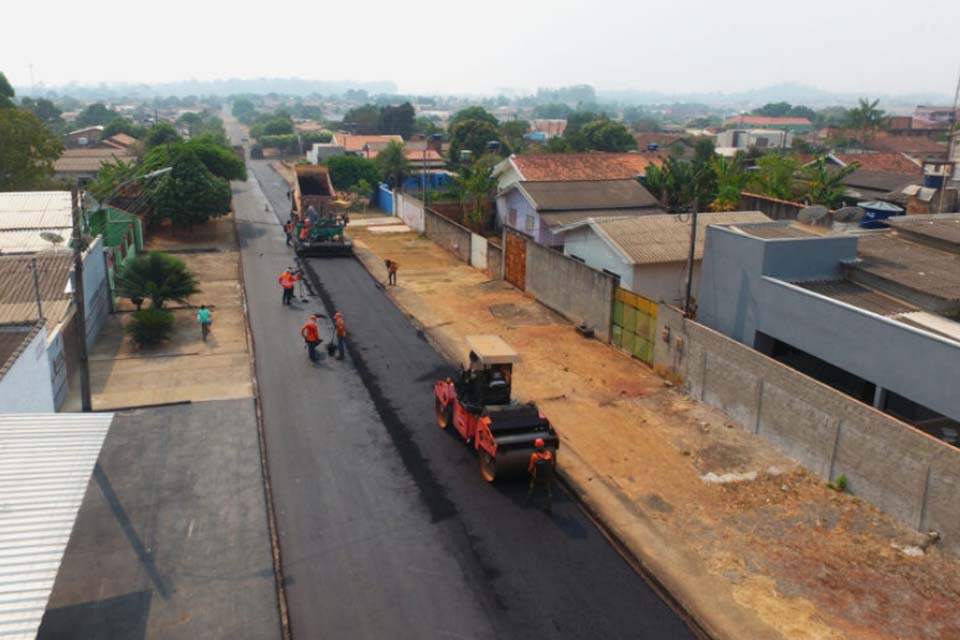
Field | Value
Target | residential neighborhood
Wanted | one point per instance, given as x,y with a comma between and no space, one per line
546,346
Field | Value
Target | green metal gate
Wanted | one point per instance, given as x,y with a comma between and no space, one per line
634,325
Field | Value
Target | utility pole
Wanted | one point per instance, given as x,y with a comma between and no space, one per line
78,301
36,286
950,142
687,300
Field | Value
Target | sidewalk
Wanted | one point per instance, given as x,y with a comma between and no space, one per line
751,543
185,367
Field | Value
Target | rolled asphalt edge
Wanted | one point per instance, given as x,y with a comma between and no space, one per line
707,600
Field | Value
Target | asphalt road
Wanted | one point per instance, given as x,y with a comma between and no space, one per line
387,529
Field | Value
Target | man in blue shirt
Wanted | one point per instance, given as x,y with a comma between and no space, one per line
206,319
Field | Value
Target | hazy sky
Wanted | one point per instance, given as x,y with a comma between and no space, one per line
869,46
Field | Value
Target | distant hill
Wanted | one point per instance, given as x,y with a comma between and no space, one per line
263,86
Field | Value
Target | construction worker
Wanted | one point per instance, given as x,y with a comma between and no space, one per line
341,330
288,229
311,335
287,280
541,468
392,267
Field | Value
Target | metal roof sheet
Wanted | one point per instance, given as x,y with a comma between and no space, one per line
574,195
665,237
910,264
18,295
943,226
29,240
858,296
45,466
35,210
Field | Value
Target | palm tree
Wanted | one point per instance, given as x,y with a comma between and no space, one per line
476,183
157,276
731,181
824,183
775,177
393,164
865,118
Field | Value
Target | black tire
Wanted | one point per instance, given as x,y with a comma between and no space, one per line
488,466
444,413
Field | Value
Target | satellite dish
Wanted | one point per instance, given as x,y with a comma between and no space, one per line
849,214
53,238
813,215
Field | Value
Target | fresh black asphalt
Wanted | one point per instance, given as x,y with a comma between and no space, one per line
386,527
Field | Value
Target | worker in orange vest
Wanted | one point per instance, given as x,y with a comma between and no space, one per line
311,335
341,330
287,280
541,468
392,267
288,229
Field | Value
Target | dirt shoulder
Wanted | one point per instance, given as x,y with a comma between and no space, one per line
753,544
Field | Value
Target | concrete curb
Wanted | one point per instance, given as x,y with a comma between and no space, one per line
707,600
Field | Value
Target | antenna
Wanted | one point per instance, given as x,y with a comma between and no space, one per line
951,143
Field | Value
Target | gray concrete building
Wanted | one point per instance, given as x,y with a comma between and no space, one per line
873,315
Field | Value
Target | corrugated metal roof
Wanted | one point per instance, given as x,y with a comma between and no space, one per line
943,226
665,238
556,219
18,296
910,264
29,240
858,296
14,338
35,210
776,230
576,195
45,465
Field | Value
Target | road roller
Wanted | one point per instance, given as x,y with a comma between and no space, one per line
480,406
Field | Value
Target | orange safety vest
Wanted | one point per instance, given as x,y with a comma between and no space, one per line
536,456
341,328
310,332
392,266
287,280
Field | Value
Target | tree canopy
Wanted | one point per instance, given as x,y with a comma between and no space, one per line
364,120
45,109
6,93
347,171
472,113
607,135
393,164
473,136
161,133
785,110
124,125
190,194
94,115
28,151
398,120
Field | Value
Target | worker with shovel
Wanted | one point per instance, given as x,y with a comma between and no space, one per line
287,280
392,267
311,335
542,466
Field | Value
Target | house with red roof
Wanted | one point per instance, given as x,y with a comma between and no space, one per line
796,125
540,167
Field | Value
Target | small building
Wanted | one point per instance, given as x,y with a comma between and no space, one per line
83,164
85,137
25,369
795,125
647,253
119,141
874,315
876,185
541,209
730,141
542,167
920,148
35,221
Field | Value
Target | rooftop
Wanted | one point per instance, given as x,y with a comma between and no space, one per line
355,143
943,228
14,338
18,296
767,230
89,160
47,461
35,210
910,266
764,121
908,144
538,167
579,195
559,221
858,296
651,239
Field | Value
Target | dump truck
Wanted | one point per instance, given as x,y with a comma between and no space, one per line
480,406
317,228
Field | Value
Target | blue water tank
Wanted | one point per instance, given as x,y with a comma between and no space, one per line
876,211
932,180
653,146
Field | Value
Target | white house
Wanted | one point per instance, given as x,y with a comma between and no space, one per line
25,369
648,253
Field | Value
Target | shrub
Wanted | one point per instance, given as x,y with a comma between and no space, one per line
157,276
151,326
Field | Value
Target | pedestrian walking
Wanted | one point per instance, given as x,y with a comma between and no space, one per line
541,468
205,318
310,333
287,281
341,331
392,267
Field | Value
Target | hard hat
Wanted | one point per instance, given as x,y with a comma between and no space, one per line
314,318
338,315
538,443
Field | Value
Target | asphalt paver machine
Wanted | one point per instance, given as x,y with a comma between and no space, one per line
480,407
318,230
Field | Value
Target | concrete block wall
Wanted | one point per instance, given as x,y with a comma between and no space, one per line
411,211
898,468
448,234
494,261
582,294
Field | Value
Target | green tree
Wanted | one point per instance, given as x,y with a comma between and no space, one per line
190,194
578,119
346,171
94,115
110,176
472,113
731,181
398,120
824,184
512,132
553,111
426,126
6,93
27,151
393,164
774,110
364,120
45,109
124,125
161,133
243,110
278,127
775,177
477,184
473,136
310,137
678,184
607,135
558,144
865,118
158,277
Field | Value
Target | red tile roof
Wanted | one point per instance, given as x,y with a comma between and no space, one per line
549,126
907,144
354,143
538,167
886,162
761,120
662,139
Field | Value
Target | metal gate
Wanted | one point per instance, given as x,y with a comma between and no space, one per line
516,260
634,325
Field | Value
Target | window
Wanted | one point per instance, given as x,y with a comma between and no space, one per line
529,224
512,219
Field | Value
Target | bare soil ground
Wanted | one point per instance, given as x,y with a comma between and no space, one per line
808,561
